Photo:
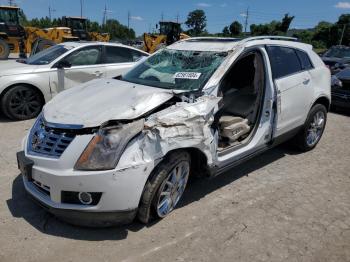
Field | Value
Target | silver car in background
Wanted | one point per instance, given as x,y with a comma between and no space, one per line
26,85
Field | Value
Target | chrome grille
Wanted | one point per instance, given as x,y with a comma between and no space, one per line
48,141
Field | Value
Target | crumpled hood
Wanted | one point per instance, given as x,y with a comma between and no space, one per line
95,102
11,67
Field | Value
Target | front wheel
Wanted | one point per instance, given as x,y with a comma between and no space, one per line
21,103
165,187
311,134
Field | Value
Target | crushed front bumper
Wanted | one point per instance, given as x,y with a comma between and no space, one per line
120,191
89,219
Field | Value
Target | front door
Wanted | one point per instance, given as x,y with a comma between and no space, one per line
85,65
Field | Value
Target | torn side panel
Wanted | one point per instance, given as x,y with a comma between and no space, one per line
183,125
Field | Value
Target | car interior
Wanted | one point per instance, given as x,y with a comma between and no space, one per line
242,91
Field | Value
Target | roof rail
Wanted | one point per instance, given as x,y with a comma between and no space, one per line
211,38
272,37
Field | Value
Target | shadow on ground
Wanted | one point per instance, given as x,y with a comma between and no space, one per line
21,206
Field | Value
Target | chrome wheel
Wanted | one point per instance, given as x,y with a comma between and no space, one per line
172,188
315,129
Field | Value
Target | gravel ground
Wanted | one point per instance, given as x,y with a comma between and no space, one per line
280,206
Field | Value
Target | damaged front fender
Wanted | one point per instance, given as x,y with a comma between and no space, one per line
183,125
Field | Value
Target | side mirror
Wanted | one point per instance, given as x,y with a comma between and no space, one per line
63,64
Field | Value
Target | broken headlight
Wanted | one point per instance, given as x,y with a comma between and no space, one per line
106,147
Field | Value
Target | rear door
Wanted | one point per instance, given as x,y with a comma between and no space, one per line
118,60
293,86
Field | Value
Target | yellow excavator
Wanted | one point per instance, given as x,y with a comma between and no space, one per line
169,33
14,38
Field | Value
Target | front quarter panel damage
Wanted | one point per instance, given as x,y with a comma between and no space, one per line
183,125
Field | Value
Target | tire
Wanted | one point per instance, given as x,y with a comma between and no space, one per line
313,129
4,50
158,183
22,102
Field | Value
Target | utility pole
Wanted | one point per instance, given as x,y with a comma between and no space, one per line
177,18
104,15
51,11
12,3
342,34
81,8
162,17
246,20
129,19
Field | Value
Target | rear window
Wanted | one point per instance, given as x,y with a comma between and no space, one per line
305,60
121,55
284,61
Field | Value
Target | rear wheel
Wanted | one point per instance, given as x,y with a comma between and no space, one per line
165,187
21,103
313,129
4,50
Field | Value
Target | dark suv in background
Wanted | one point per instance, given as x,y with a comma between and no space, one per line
337,58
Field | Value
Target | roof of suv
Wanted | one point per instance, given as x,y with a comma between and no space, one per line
219,44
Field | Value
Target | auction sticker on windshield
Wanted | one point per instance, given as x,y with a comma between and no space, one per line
187,75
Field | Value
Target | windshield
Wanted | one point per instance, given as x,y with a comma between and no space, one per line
48,55
77,24
338,52
175,69
8,16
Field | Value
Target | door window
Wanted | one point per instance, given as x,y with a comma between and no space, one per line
118,54
284,61
85,56
305,60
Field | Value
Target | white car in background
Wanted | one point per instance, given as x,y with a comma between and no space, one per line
26,85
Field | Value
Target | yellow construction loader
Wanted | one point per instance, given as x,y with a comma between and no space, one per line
15,38
169,33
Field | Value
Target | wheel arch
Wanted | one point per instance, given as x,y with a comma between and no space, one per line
323,100
199,160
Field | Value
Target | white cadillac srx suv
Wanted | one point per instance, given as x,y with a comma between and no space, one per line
110,150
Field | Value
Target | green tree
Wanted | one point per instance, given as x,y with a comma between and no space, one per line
117,30
196,22
226,31
323,32
261,29
285,24
343,29
236,28
272,28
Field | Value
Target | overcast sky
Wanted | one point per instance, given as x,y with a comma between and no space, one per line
145,14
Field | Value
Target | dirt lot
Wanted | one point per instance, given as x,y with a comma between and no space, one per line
281,206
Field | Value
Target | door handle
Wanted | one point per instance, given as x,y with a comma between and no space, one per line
306,81
98,73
